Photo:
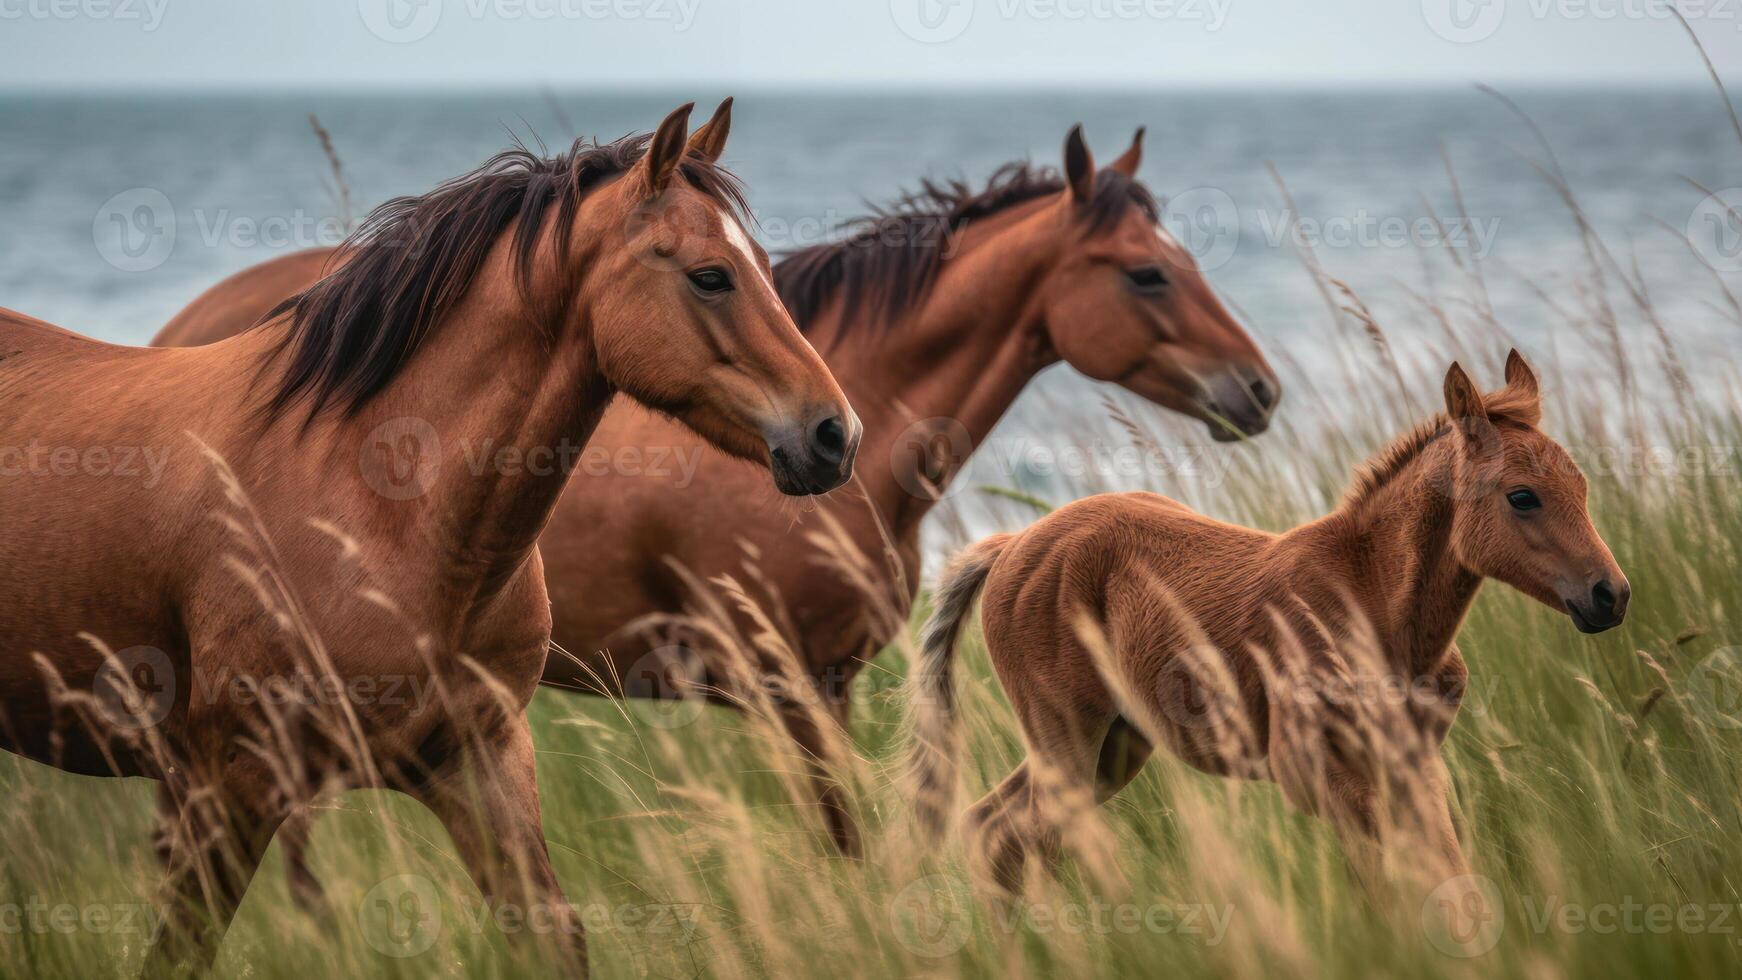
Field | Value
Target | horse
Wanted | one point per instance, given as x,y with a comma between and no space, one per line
934,314
314,534
1123,622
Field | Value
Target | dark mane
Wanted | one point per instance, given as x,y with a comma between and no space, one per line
413,258
891,257
1505,408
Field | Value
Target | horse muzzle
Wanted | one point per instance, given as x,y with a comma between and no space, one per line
817,456
1237,404
1602,609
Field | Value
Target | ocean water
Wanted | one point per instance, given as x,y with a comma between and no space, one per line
116,211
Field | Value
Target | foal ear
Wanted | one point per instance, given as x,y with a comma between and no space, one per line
1464,406
1520,377
710,141
667,149
1131,159
1079,166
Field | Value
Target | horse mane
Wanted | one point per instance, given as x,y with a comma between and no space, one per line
1506,407
892,256
413,258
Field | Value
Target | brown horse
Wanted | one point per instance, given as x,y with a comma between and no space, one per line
1115,621
244,624
934,316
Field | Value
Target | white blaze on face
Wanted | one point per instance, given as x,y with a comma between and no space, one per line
1167,239
739,240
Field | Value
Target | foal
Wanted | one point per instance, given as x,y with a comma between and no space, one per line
1279,633
319,525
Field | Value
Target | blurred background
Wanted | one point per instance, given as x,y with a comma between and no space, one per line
151,147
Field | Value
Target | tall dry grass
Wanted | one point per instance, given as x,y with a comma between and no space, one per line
1598,780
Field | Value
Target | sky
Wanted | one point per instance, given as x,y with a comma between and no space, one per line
297,44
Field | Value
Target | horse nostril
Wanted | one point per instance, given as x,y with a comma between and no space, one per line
1264,393
829,439
1603,598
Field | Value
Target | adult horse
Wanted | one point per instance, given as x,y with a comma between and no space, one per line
316,589
934,316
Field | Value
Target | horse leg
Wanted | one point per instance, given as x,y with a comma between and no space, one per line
1038,807
1123,754
210,841
488,801
305,889
821,734
996,834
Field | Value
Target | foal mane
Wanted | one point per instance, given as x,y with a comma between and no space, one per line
892,256
413,258
1505,408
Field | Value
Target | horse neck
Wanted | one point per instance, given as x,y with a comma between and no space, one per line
512,392
963,353
1405,575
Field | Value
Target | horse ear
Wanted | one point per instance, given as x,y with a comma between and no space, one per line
1131,159
709,142
1079,166
1464,406
1520,377
666,150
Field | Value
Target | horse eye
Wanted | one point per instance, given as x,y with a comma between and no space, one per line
1523,500
711,280
1148,278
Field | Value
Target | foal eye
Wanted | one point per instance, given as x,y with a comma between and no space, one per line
711,280
1523,500
1147,278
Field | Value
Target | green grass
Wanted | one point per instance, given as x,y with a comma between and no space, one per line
1580,786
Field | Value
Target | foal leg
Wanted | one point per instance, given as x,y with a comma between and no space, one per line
210,841
1123,754
488,801
1036,808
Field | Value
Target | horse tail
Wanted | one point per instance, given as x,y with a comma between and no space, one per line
932,698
